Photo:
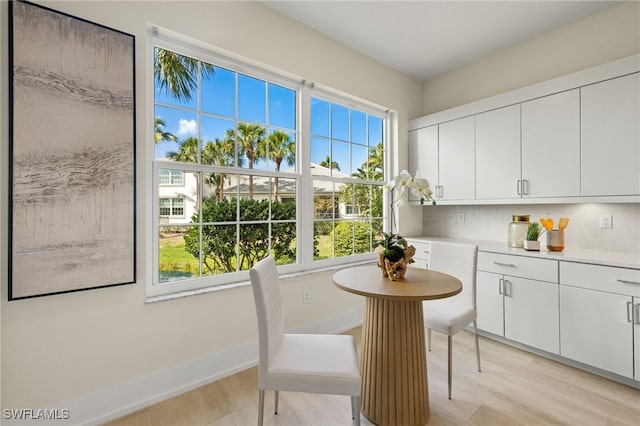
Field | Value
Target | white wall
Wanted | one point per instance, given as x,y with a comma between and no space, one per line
61,347
604,37
607,36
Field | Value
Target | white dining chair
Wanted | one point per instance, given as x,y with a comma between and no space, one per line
315,363
449,316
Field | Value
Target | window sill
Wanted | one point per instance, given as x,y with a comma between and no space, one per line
238,284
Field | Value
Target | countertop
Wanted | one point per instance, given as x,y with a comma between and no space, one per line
593,256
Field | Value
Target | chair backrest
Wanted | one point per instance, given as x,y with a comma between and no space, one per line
269,310
459,260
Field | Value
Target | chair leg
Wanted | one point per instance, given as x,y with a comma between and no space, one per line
428,338
475,333
260,407
277,394
450,341
355,409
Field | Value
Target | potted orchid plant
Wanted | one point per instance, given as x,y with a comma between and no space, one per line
418,186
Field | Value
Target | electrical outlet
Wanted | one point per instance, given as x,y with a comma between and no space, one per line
606,221
306,296
460,218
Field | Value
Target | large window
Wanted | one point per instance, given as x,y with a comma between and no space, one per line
233,175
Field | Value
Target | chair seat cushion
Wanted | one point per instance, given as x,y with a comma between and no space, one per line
448,316
315,363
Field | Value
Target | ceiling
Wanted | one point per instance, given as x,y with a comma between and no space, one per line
424,39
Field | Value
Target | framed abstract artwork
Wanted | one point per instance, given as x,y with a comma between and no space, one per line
71,154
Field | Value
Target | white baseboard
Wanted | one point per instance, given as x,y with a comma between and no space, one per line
124,398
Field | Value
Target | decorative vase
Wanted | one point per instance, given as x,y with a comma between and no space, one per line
532,245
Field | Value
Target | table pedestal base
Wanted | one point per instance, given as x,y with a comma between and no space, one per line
394,363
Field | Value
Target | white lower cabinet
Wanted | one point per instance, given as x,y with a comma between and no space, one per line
520,308
599,317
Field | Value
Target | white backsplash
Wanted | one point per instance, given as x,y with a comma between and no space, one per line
490,223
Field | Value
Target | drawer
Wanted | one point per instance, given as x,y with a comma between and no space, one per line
519,266
604,278
421,257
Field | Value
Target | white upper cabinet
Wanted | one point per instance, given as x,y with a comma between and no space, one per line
551,145
498,154
611,137
456,154
423,156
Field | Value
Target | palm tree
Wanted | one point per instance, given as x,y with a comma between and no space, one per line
177,74
248,139
159,135
219,153
332,165
280,148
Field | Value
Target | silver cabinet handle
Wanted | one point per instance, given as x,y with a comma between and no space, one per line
636,310
500,283
508,290
627,282
511,265
518,187
630,312
525,187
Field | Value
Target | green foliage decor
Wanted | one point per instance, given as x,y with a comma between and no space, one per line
393,246
534,231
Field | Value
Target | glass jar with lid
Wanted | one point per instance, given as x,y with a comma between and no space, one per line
518,230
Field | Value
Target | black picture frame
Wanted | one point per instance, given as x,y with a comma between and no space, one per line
72,146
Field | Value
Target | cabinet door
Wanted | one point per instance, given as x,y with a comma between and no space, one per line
531,313
498,153
423,156
551,145
456,149
636,335
489,301
611,137
594,329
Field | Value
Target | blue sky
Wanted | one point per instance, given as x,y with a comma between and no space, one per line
332,125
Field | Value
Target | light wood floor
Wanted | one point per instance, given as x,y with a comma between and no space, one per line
514,388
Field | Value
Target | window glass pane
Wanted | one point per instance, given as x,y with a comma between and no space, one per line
219,211
280,151
169,67
177,177
283,206
377,198
359,161
253,244
319,117
343,238
323,238
375,130
339,122
340,157
283,242
320,155
252,104
282,107
218,92
171,127
221,131
218,249
358,127
324,202
362,198
249,140
254,209
375,169
175,262
362,237
165,176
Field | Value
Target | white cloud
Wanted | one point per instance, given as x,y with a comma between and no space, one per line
187,127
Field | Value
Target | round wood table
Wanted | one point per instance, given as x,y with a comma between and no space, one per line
393,359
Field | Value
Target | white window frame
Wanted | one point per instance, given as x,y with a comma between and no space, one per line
304,209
